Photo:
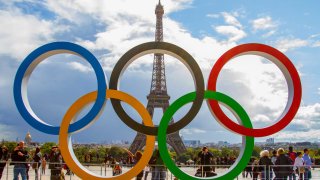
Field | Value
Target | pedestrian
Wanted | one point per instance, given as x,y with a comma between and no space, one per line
205,162
265,163
255,169
55,163
273,160
117,170
3,159
19,157
292,155
248,169
146,172
308,163
158,170
134,159
282,165
36,162
298,165
43,165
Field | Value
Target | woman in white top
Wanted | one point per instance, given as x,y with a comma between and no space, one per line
299,165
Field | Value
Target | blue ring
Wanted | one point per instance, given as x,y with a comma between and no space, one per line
56,46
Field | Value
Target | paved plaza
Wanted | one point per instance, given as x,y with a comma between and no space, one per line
8,173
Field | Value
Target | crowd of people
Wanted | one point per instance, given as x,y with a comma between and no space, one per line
20,159
278,165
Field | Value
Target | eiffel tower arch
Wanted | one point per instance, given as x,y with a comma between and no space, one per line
158,97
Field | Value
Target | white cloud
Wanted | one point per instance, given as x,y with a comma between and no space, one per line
233,33
264,23
112,11
315,35
213,15
191,131
23,33
316,44
268,34
290,44
230,19
305,125
7,132
80,67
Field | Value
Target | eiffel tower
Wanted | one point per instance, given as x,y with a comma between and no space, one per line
158,97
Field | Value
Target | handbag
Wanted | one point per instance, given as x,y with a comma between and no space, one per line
34,165
301,170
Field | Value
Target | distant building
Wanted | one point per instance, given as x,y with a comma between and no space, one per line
303,144
192,143
28,139
223,143
270,141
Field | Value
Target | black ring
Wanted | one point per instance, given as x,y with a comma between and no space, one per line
163,48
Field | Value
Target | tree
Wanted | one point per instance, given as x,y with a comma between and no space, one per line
46,147
117,152
183,158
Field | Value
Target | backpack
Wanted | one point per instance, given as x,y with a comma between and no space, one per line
292,156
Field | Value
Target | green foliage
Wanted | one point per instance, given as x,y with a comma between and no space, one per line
183,158
256,151
46,147
10,145
117,152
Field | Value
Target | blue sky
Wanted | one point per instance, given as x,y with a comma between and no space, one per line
205,28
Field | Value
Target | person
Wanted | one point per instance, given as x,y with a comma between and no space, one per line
19,158
308,163
3,159
298,165
55,163
117,170
146,172
255,169
158,171
248,169
43,165
205,158
265,163
37,162
273,160
282,165
135,158
292,155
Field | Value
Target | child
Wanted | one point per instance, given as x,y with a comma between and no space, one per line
117,170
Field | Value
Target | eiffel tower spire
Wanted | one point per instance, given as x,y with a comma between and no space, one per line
158,97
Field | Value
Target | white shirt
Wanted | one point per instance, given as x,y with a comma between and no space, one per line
298,162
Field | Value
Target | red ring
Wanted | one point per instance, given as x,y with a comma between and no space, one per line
281,60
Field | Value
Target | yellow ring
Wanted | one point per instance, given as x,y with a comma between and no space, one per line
66,145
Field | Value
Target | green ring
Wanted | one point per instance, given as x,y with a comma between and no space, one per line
247,144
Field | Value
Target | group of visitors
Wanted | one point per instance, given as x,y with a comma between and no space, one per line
20,159
155,167
283,165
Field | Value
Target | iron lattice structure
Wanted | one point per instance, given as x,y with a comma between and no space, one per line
158,97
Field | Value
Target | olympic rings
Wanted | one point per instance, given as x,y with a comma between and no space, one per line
243,118
245,128
65,140
287,68
29,64
163,48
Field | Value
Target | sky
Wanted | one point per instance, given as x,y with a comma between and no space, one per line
204,28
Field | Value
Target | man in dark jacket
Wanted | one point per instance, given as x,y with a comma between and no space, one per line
283,165
205,160
55,163
3,158
19,156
